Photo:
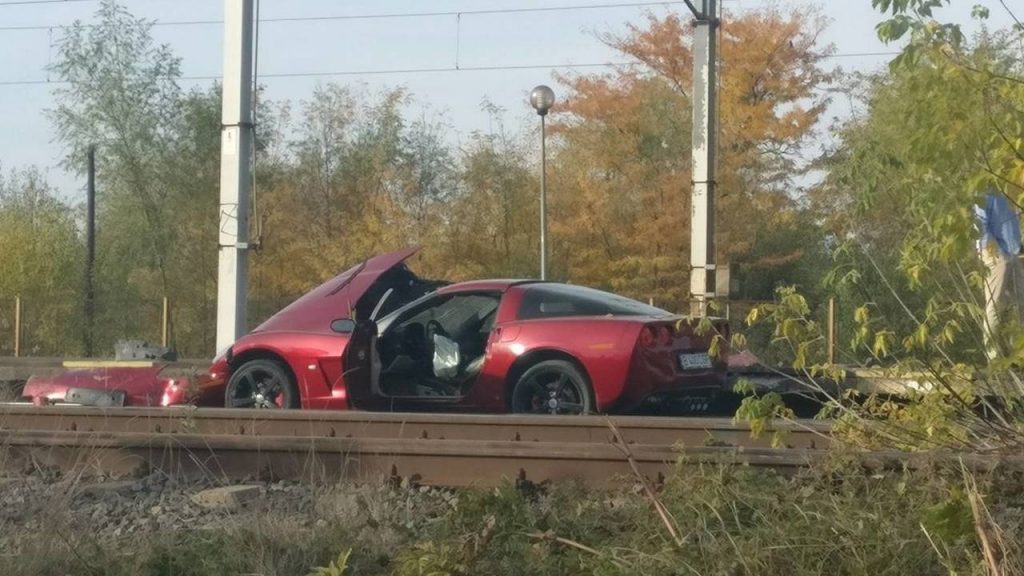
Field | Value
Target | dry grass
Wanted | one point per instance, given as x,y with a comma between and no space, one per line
727,519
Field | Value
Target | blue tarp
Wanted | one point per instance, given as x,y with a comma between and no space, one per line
999,221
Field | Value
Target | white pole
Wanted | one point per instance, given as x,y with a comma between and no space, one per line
235,171
702,222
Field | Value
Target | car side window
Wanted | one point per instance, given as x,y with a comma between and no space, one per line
465,313
559,300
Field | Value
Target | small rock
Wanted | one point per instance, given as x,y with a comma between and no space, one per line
102,489
226,497
156,510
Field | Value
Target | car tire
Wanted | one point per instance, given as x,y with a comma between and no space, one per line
552,387
261,383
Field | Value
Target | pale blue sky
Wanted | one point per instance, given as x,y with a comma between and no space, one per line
484,40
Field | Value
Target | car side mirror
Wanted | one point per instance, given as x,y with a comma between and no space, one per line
343,325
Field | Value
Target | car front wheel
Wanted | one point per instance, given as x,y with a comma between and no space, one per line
552,387
261,384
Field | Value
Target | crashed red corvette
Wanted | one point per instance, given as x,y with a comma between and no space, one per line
377,337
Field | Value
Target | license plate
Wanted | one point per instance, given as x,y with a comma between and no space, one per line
698,361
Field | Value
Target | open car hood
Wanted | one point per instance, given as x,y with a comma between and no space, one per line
337,298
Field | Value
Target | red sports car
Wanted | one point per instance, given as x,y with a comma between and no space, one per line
377,337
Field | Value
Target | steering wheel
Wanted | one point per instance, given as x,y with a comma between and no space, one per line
413,338
434,327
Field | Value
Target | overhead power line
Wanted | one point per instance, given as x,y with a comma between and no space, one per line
433,70
366,72
380,16
31,2
861,54
428,70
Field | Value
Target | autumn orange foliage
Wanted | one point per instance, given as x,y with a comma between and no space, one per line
354,184
623,169
348,174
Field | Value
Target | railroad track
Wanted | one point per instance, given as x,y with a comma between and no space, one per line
434,449
403,426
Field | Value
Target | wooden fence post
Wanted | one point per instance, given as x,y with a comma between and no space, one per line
165,323
832,330
17,326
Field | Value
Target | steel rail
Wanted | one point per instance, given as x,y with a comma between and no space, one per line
356,424
423,461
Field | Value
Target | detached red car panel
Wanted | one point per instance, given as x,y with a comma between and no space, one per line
119,385
377,337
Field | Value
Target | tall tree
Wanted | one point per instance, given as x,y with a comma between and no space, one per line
120,92
341,192
157,151
941,127
492,227
41,261
623,173
192,210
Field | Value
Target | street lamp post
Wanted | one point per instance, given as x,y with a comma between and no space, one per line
542,98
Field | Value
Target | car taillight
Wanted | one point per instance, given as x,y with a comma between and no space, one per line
665,335
647,337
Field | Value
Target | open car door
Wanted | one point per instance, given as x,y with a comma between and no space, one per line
343,305
379,286
427,353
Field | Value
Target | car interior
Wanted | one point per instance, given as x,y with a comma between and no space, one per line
394,289
435,348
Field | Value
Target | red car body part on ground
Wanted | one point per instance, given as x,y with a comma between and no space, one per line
376,337
113,385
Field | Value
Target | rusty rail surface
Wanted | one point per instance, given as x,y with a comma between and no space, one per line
430,449
429,462
357,424
442,449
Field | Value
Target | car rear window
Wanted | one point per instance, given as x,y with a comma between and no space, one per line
561,300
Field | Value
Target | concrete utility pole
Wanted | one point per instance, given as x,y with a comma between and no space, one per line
705,114
236,171
236,137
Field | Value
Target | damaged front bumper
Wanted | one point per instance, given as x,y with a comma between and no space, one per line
117,385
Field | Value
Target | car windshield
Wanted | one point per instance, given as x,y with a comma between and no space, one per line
385,321
451,312
556,300
455,312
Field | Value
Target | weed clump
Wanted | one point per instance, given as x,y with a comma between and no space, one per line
835,518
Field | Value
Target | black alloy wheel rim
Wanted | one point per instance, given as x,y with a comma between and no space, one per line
552,392
258,388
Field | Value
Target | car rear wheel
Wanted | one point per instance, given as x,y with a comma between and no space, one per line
552,387
261,384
